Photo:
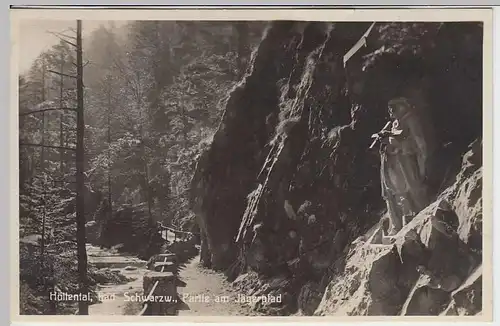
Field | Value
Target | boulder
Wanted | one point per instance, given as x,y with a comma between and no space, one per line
467,299
308,298
130,268
428,270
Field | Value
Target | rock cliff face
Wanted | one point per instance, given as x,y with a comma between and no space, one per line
288,195
429,270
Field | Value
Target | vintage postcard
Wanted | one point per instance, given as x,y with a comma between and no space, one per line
284,164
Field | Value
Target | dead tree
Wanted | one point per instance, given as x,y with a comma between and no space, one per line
80,177
61,119
80,156
110,197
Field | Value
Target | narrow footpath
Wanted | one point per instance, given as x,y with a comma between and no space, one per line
207,293
115,297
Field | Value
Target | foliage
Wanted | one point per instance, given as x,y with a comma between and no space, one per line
398,38
153,99
411,37
169,80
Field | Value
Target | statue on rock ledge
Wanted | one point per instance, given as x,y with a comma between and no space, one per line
403,152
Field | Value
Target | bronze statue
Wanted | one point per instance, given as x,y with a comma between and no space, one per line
403,151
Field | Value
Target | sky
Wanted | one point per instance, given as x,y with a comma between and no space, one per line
34,37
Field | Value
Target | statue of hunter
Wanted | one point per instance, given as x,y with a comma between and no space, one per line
403,153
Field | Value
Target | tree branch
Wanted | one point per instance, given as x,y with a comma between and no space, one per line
61,74
45,110
68,42
58,35
48,146
63,35
84,65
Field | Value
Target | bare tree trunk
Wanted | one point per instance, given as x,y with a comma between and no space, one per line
148,187
53,303
42,156
146,177
110,199
44,176
80,178
44,215
42,168
145,163
61,117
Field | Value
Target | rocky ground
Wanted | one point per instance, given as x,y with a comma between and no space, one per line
112,296
203,282
434,267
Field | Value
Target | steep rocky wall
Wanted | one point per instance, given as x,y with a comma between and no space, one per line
429,270
288,182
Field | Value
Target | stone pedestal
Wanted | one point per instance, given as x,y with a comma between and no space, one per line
162,300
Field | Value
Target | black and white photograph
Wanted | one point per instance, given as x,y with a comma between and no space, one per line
253,167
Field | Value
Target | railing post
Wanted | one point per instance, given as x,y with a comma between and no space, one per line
160,285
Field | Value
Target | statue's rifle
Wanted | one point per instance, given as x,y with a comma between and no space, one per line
378,135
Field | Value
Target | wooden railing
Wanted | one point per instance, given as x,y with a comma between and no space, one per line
161,281
175,231
151,293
